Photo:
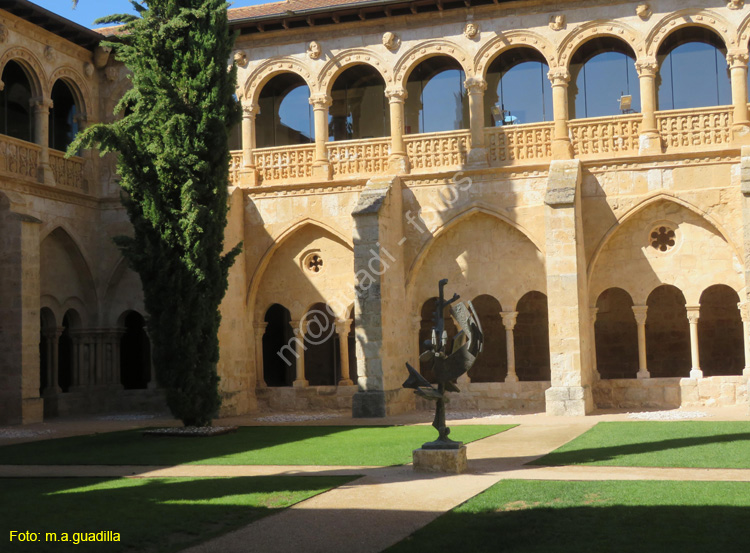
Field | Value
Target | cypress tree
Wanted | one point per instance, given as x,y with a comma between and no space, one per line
173,161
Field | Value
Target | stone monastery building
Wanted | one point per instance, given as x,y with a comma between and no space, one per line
577,169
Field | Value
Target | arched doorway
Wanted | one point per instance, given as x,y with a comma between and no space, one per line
279,364
616,335
15,103
720,333
321,351
667,333
63,117
492,364
531,338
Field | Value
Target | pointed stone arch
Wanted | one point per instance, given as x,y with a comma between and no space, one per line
595,29
695,17
270,68
348,58
77,84
428,49
505,41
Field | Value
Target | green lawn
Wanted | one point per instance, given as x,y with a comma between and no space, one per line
277,445
697,444
558,517
157,515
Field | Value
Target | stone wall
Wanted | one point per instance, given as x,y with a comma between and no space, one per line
494,396
671,393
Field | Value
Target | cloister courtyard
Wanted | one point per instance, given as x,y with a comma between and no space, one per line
658,481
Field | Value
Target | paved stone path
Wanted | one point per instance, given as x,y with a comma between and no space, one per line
386,504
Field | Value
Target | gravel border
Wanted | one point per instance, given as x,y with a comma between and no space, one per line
294,417
672,415
190,431
13,434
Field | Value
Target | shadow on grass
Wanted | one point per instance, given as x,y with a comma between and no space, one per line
256,445
155,515
618,452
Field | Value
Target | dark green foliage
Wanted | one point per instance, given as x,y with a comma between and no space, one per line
174,164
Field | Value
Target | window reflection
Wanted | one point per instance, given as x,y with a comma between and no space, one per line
15,110
693,70
436,98
286,116
359,108
63,123
235,133
518,90
602,76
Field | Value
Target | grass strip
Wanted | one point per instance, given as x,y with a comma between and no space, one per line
250,445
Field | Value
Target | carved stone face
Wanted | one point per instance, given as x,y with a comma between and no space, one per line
643,11
556,22
240,58
471,30
313,50
390,40
3,33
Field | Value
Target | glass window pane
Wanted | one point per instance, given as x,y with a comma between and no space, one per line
436,99
598,84
694,75
15,111
525,93
359,108
286,116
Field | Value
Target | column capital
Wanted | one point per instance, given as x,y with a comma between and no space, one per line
693,313
647,67
737,59
509,319
250,110
592,313
475,85
343,326
260,327
744,307
40,104
320,101
299,326
559,76
640,313
396,94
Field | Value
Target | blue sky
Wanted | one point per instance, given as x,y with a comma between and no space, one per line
90,10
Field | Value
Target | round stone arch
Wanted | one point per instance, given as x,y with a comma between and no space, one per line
426,50
77,86
507,41
346,59
269,69
691,17
599,29
743,33
33,68
254,307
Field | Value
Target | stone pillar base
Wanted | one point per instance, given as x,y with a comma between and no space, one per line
346,382
696,373
368,405
398,164
322,170
643,374
741,134
650,143
300,384
746,371
32,410
45,174
573,401
562,148
511,378
248,177
477,158
452,461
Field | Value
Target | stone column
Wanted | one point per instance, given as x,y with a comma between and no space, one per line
342,329
737,61
53,357
41,107
650,139
478,153
561,145
321,168
260,330
398,160
509,322
744,308
640,320
693,313
567,292
299,327
592,316
116,354
248,176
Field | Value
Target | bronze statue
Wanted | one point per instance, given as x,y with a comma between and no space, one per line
447,367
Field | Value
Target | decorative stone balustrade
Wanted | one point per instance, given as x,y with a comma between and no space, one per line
68,173
234,167
688,128
285,162
437,150
19,158
512,144
606,136
359,157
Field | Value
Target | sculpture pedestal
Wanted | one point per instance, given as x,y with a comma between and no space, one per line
452,461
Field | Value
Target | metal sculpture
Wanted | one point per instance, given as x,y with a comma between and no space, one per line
447,367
